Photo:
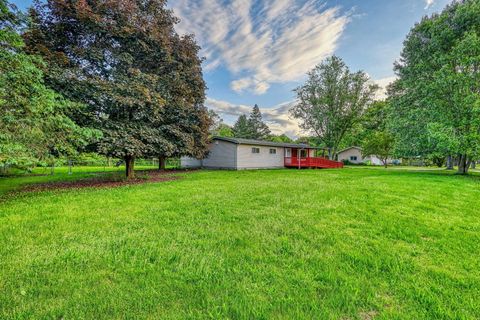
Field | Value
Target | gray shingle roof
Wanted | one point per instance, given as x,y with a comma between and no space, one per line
263,143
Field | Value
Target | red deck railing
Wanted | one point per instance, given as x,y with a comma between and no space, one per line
312,163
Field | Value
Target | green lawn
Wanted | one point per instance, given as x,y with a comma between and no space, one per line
41,175
279,244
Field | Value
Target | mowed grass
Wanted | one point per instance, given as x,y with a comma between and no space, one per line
279,244
19,179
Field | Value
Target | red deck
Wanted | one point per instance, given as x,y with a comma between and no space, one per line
294,162
309,158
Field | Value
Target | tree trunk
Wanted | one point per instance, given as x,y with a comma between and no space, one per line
449,163
129,167
385,163
332,153
161,163
463,164
474,165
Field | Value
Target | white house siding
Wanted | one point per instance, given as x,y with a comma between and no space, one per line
352,152
190,163
222,155
263,160
374,160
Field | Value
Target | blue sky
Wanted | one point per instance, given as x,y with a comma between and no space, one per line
258,51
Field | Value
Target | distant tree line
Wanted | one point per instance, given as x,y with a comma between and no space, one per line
251,127
432,111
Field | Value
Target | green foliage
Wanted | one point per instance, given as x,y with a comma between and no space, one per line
374,119
436,101
300,244
252,127
259,129
218,127
224,130
241,128
280,138
141,81
33,118
332,101
380,144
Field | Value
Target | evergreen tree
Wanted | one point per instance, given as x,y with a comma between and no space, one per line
259,129
241,128
141,81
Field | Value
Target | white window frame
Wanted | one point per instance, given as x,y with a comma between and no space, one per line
273,151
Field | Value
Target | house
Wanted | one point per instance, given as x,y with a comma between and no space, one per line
354,155
240,154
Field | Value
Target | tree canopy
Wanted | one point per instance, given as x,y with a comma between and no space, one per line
332,100
252,127
241,128
141,81
33,118
218,127
259,129
436,99
379,144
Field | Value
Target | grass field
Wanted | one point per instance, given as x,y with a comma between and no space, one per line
280,244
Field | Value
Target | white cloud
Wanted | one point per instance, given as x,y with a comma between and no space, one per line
277,117
383,84
429,3
254,85
279,43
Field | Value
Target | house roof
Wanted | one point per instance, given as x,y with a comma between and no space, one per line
353,147
263,143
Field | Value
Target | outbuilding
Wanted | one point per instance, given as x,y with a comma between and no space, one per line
354,155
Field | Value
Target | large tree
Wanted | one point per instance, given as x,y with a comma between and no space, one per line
142,82
259,129
332,100
241,128
252,127
379,144
33,119
436,100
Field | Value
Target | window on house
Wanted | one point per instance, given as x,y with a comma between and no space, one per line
353,158
303,153
273,151
255,150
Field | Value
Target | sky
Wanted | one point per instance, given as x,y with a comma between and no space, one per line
258,51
